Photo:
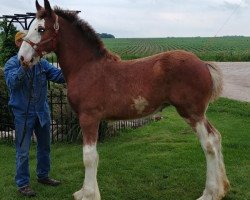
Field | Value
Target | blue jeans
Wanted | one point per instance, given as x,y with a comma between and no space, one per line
22,152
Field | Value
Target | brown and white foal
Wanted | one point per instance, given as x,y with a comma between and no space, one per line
101,86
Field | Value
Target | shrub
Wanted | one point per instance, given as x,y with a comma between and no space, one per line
5,114
8,47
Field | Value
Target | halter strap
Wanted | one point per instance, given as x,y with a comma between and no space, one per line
36,46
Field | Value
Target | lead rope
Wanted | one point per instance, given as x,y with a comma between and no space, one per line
27,110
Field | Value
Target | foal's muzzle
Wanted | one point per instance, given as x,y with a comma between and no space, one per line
30,63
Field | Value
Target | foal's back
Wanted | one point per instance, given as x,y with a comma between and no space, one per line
136,88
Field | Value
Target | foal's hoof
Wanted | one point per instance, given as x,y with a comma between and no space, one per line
209,196
78,195
205,198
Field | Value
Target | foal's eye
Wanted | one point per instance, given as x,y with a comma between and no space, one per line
41,29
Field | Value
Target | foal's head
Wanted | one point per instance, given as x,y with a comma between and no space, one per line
42,36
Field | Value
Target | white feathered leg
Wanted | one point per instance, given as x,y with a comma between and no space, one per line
217,183
90,190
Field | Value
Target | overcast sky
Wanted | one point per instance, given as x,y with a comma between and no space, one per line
153,18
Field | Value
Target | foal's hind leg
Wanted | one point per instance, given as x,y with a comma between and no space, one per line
217,183
90,190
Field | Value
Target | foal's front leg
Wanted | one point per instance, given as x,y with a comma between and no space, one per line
90,190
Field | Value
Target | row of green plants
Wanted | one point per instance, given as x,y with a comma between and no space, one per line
234,48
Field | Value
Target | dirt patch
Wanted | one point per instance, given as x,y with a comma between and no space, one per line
236,80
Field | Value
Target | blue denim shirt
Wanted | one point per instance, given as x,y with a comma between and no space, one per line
18,81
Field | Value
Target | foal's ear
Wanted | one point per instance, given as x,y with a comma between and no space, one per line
38,7
47,6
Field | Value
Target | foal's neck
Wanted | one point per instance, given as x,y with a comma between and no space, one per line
74,51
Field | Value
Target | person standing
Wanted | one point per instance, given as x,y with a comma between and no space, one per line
29,104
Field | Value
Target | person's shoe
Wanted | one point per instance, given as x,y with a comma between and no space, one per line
26,191
49,181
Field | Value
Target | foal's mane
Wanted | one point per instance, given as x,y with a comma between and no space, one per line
87,31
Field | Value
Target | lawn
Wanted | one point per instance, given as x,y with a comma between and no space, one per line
162,160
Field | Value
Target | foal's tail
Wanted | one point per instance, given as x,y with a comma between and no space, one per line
217,80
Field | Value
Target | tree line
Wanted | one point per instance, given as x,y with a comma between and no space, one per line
105,35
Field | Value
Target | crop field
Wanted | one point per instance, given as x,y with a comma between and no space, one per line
215,48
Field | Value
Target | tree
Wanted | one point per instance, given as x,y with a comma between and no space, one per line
105,35
8,47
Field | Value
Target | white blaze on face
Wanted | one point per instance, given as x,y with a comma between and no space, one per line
26,51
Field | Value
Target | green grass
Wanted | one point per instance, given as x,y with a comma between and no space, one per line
162,160
213,49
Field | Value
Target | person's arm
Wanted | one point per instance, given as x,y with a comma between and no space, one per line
14,74
53,73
